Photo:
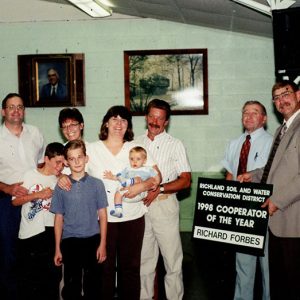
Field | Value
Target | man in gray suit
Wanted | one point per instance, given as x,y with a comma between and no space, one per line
283,171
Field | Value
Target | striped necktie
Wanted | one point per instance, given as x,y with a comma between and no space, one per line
272,153
242,168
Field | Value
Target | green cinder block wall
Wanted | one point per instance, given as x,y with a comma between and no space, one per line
187,205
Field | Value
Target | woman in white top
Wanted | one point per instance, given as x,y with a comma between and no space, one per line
124,235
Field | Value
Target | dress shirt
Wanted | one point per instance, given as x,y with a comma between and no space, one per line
19,154
261,142
169,153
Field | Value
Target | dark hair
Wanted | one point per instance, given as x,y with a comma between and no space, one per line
8,96
54,149
251,102
283,83
115,111
69,113
72,145
160,104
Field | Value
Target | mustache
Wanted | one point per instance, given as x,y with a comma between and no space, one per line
154,125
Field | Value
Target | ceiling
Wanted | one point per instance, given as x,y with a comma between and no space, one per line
221,14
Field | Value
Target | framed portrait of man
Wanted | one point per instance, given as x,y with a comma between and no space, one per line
52,80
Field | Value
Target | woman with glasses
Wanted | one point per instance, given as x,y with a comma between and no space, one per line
71,123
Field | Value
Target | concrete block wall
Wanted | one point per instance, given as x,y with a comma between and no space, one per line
240,68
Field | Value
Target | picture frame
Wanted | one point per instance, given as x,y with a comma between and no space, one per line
178,76
52,80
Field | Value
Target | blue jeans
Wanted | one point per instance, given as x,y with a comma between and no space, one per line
10,217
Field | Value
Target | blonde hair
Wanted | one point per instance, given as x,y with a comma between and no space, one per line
138,149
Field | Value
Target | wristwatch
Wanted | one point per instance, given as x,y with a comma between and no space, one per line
161,189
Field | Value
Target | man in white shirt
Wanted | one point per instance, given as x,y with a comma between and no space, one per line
22,148
162,219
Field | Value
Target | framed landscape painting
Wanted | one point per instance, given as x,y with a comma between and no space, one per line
177,76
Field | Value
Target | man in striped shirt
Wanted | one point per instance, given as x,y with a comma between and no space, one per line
162,220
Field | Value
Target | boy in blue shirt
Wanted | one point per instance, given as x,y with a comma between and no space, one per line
78,242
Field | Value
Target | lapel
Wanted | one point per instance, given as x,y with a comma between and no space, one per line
286,139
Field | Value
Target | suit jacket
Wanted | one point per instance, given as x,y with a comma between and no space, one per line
285,177
61,92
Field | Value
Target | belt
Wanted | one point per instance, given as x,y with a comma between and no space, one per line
161,197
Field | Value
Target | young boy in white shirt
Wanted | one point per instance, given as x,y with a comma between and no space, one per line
37,276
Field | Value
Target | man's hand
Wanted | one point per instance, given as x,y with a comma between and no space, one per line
272,208
151,196
16,190
245,177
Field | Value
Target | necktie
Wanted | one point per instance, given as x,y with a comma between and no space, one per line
242,168
53,94
272,153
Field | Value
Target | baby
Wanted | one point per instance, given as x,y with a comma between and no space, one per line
136,173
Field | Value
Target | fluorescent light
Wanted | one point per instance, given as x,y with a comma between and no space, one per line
256,6
280,4
93,8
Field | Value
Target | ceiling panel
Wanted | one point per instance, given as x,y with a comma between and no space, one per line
222,14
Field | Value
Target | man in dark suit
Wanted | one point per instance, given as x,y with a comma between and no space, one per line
283,171
55,89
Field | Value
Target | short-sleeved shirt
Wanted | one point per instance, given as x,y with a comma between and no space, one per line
80,206
143,172
19,154
169,153
35,215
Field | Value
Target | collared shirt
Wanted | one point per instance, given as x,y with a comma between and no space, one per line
292,118
19,154
169,153
261,142
80,206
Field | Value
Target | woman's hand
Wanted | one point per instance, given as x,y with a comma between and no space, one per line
134,190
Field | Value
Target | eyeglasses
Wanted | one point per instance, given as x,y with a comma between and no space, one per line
71,126
15,107
283,95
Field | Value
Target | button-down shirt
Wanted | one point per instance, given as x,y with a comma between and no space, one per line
19,154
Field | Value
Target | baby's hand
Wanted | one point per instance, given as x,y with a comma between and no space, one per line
108,175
